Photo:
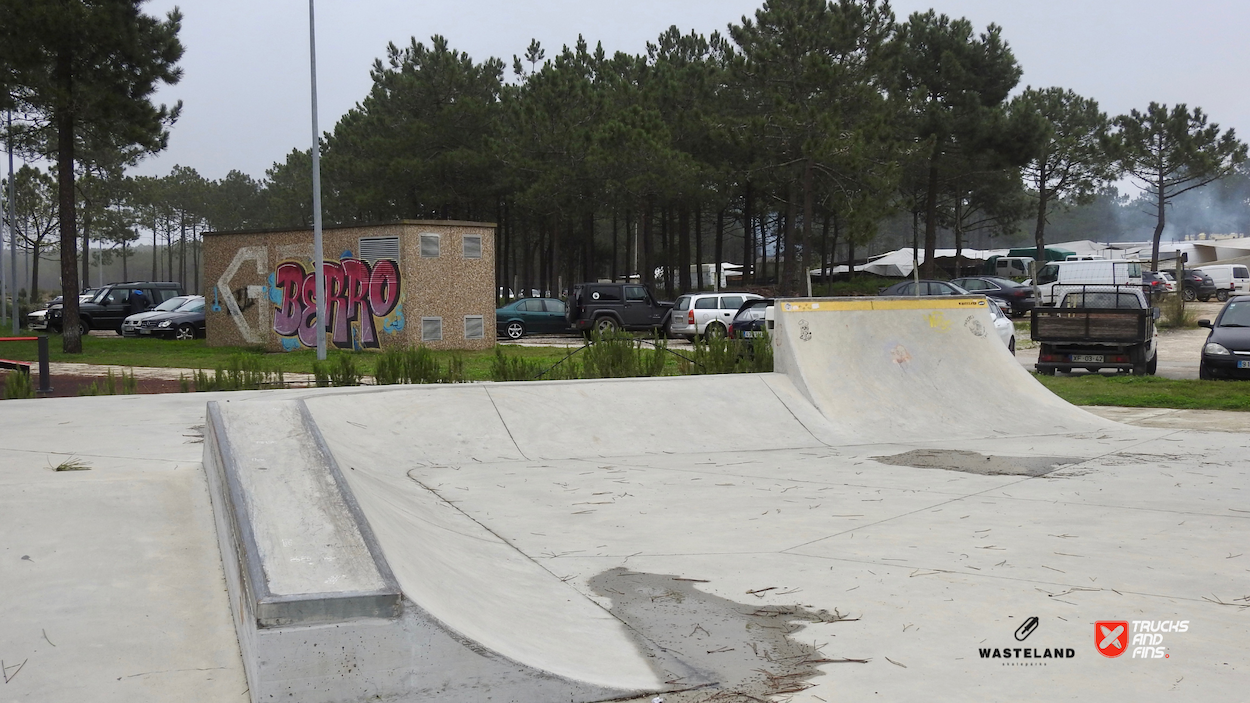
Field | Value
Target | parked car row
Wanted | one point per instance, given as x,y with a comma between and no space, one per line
132,309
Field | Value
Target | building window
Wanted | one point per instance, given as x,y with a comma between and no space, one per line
474,327
472,245
431,329
429,246
373,249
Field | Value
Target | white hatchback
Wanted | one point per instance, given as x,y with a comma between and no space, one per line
697,314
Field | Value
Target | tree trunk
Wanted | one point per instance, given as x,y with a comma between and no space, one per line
786,271
748,239
1161,206
959,232
929,267
647,274
824,249
71,341
666,244
806,237
182,251
683,243
1039,233
86,247
33,295
720,248
628,266
698,247
613,272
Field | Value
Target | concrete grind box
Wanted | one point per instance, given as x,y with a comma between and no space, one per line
405,283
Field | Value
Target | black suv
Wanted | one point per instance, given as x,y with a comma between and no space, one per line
114,302
607,307
1196,285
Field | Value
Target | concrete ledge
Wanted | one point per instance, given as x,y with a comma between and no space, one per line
306,555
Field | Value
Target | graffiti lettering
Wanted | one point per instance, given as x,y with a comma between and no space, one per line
356,293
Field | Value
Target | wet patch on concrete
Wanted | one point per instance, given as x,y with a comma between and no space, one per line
974,463
746,651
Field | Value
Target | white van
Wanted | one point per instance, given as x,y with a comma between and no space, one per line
1230,279
1057,277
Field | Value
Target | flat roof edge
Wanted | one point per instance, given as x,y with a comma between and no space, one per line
389,223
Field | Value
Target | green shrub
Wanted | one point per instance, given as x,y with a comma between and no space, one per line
341,371
513,368
419,365
241,372
125,384
723,355
17,386
1174,314
621,355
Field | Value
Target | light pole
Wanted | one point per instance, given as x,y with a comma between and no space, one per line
12,232
318,258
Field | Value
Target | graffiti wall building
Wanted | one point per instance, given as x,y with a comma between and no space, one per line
398,284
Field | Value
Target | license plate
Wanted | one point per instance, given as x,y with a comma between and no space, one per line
145,331
1243,364
1087,358
756,333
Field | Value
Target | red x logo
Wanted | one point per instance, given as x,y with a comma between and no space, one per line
1111,637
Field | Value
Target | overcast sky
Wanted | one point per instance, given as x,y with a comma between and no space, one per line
246,81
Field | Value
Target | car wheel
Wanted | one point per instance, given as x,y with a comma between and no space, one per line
1153,365
1011,346
1203,299
714,330
1139,369
1189,295
605,326
1047,371
185,331
515,329
120,332
1222,296
83,328
1093,369
1204,372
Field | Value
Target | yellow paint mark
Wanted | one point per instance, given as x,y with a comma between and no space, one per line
848,304
938,321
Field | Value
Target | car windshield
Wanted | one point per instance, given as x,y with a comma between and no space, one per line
172,304
1237,314
185,305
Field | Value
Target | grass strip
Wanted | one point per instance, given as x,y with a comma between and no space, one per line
1149,392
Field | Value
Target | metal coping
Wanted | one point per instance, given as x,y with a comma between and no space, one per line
268,609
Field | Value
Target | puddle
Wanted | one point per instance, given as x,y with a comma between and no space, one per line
736,651
974,463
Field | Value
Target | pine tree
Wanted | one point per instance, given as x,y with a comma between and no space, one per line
87,70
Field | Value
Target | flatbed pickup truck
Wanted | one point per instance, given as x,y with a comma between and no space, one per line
1097,327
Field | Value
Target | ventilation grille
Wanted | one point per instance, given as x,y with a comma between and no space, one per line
472,246
373,249
431,329
429,246
474,327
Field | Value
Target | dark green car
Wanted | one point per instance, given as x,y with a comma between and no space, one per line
530,316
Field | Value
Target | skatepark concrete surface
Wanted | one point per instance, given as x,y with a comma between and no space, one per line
897,498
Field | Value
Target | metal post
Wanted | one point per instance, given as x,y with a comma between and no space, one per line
45,376
319,259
